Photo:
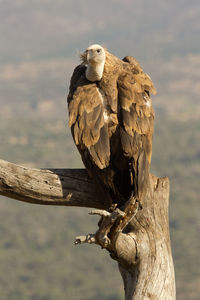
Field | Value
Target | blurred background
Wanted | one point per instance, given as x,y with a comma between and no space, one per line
40,43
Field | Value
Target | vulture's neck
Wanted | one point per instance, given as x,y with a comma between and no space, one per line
94,72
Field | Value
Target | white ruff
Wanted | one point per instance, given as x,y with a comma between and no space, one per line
94,72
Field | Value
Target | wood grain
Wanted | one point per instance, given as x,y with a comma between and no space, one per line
143,250
68,187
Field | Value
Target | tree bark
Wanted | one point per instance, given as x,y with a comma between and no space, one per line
68,187
152,275
141,248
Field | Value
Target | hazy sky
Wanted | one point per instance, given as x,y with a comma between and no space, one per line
47,29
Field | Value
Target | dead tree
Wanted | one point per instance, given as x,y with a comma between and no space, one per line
138,239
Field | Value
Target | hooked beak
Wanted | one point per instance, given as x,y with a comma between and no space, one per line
90,57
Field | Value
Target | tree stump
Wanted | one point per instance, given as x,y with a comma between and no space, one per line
138,239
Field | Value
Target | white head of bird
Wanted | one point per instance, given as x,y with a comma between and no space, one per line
95,56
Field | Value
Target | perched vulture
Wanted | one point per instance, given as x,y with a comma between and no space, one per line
111,119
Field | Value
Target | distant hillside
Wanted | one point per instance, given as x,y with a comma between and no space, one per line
32,30
39,89
40,45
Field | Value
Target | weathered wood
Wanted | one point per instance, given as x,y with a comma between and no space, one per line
151,275
68,187
143,251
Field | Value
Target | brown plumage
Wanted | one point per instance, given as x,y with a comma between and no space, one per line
112,123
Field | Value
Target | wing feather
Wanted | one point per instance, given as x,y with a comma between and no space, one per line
100,152
136,119
86,120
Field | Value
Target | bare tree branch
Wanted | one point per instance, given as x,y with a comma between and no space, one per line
69,187
137,238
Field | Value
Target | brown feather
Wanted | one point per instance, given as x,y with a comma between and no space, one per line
112,125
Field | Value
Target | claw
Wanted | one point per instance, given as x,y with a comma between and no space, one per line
79,240
89,239
113,207
106,242
112,222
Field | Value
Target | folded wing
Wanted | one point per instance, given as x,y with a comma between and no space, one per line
86,119
136,118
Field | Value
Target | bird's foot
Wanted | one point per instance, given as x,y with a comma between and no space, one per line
89,239
101,237
111,223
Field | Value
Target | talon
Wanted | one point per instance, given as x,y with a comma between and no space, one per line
113,207
106,242
77,241
89,238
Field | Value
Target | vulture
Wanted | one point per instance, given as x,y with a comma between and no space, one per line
111,120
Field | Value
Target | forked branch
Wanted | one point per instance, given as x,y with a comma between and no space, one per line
142,248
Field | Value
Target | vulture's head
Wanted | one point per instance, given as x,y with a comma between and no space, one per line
94,57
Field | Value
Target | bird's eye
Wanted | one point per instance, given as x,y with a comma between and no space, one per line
98,50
